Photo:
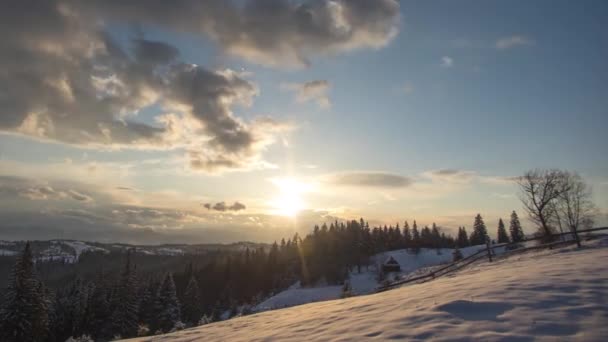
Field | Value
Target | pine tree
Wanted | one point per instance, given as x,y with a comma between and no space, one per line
480,233
407,236
74,306
191,311
147,304
167,306
463,238
502,232
435,237
24,315
125,303
517,233
98,315
415,238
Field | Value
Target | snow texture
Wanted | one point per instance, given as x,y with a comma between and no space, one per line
548,295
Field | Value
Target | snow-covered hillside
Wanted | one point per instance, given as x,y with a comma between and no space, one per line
365,282
548,295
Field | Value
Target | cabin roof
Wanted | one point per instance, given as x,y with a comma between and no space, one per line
391,261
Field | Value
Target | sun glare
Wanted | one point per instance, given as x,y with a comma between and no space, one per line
289,201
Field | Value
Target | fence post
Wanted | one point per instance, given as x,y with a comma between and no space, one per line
488,248
578,240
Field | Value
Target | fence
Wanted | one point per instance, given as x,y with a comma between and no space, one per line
488,253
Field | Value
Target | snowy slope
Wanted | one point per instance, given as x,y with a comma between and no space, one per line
80,247
549,295
366,281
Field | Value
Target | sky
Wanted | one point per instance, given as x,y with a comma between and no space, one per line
221,121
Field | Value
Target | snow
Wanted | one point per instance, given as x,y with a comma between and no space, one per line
546,295
169,251
6,252
79,247
296,295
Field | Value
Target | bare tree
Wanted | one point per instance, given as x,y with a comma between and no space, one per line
574,204
539,190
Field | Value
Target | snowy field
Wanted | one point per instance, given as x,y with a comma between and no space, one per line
549,295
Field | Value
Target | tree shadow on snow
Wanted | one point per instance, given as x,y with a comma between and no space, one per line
476,311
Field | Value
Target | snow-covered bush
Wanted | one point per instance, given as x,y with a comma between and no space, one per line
205,320
83,338
178,326
346,290
143,330
456,254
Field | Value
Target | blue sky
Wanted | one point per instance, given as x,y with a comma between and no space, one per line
486,90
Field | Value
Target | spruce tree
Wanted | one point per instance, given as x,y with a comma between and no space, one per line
436,240
463,238
24,315
167,306
480,233
415,238
191,310
517,233
147,304
125,303
98,318
407,236
503,237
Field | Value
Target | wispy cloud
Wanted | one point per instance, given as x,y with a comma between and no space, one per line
451,175
447,62
371,179
407,88
316,91
222,206
513,41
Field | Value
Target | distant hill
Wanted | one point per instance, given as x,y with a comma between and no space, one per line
60,260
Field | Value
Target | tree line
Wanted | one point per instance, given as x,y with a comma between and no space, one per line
211,288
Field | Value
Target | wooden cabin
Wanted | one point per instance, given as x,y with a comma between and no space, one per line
391,265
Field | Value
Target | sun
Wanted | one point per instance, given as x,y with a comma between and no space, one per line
289,201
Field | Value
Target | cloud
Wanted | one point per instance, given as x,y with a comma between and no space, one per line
221,206
38,190
451,175
79,196
273,33
368,179
81,87
513,41
447,62
407,88
310,91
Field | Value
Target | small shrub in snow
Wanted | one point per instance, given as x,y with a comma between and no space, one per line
205,320
83,338
178,326
246,310
347,291
143,330
456,254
